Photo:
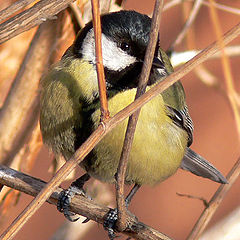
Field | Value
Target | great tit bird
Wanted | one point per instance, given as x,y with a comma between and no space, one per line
70,108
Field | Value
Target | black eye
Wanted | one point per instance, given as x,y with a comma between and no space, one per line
125,46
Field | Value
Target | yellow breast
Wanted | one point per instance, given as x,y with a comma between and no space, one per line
158,145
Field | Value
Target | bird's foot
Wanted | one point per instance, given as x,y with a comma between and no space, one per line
66,196
110,223
65,199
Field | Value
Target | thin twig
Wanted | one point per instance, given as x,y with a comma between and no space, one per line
189,22
102,130
77,14
13,8
205,202
228,227
222,7
214,203
231,92
178,58
131,127
99,60
31,17
234,173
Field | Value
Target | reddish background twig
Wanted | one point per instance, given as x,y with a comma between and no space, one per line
214,203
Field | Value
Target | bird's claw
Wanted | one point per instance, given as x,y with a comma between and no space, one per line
110,223
64,201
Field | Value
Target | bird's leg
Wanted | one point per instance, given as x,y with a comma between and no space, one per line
129,197
112,216
66,196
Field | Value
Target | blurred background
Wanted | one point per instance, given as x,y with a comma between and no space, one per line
215,135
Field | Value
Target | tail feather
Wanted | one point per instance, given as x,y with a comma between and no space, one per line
199,166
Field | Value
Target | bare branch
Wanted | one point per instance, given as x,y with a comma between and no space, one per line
231,91
228,226
31,17
77,14
80,205
179,58
103,129
222,7
189,22
99,60
12,9
143,80
214,203
15,121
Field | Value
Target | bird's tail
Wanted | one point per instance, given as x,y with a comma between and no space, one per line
199,166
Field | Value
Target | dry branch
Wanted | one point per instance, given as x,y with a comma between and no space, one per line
131,127
231,92
214,203
13,8
103,129
222,7
99,60
15,121
39,13
80,205
77,13
194,12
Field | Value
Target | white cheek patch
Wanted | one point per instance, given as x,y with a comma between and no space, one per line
114,58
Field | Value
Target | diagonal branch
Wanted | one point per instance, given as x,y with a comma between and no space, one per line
13,8
147,65
196,7
31,17
214,203
101,131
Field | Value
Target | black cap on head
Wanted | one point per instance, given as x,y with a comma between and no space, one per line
128,27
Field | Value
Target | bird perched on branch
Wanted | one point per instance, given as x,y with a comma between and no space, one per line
70,110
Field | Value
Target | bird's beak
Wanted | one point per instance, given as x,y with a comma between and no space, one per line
157,63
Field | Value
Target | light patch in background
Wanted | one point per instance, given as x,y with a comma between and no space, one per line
226,229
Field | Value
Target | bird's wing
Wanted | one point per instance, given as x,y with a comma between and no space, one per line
182,119
199,166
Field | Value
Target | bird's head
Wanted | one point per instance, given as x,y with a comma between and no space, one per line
125,36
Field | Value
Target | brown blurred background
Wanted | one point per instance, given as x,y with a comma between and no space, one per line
215,137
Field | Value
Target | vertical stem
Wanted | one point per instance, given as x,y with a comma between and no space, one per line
231,92
134,118
99,60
